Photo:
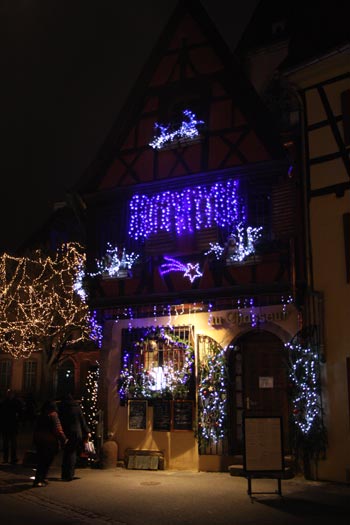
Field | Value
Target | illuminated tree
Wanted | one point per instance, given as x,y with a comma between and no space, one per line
43,305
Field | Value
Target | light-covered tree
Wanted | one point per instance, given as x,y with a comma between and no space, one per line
43,305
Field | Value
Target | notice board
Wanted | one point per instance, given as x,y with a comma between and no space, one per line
137,412
162,415
183,415
263,444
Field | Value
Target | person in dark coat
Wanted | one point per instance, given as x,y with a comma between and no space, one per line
48,435
76,430
11,411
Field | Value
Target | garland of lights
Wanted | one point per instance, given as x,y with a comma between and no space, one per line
96,330
42,300
115,263
305,378
212,396
136,382
186,211
89,401
188,130
240,244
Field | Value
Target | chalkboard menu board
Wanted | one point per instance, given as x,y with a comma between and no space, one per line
263,448
137,415
183,415
162,415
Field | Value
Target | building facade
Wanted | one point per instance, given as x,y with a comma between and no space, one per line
195,243
298,60
323,87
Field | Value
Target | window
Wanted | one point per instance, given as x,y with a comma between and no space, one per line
30,376
5,375
157,362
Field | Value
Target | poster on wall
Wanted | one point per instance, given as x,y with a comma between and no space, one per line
183,415
162,415
137,415
263,446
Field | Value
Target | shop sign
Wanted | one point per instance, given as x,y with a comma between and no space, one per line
247,317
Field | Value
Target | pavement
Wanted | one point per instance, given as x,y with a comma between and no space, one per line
120,496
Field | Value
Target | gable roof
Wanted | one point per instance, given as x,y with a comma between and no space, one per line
249,103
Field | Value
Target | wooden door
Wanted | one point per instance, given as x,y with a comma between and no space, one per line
259,379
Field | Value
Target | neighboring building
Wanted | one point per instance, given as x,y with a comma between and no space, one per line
24,375
323,85
195,243
308,88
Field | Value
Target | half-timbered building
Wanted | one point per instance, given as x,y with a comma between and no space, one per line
194,246
298,60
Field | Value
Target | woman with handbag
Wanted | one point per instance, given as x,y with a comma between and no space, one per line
48,435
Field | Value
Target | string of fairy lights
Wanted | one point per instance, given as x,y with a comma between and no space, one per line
168,134
212,396
150,379
305,377
41,300
90,400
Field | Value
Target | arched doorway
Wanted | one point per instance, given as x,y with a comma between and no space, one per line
258,372
65,379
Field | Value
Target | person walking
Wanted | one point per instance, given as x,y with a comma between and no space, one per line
11,411
76,430
48,435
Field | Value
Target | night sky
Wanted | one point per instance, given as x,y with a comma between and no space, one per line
66,69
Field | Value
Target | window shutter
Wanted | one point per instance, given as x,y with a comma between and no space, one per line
284,220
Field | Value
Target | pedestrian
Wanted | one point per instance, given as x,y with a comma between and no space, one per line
76,430
10,413
48,436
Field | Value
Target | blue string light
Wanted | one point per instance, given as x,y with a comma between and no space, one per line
187,130
191,271
186,211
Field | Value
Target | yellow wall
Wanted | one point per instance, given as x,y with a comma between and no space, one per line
180,447
328,254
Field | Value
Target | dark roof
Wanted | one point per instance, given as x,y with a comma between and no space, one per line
247,98
312,27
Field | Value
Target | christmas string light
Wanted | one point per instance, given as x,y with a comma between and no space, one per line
189,270
115,263
240,244
304,374
154,380
96,331
89,401
188,130
212,396
185,211
41,302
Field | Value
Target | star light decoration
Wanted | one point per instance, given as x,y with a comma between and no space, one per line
189,270
115,263
181,212
187,131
